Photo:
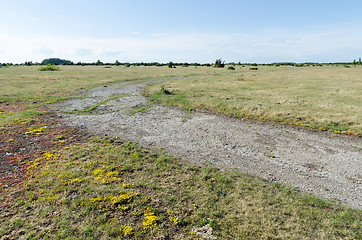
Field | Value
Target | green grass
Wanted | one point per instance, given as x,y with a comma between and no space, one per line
26,83
140,109
23,85
327,97
101,188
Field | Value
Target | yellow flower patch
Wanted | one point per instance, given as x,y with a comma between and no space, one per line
127,230
150,220
36,131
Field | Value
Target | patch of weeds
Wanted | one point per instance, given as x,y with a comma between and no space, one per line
49,68
61,99
357,148
165,91
140,110
172,99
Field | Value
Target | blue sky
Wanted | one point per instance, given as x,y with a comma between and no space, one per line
181,31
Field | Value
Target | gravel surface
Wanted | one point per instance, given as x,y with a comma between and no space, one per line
316,162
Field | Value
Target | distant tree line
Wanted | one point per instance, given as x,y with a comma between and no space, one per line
218,63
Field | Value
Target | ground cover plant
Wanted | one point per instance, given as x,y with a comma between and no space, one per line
327,97
107,188
57,182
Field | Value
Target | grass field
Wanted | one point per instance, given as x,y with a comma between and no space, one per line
25,88
67,186
106,188
328,97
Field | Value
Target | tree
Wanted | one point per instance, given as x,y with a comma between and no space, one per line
219,63
99,63
56,61
359,61
117,63
170,65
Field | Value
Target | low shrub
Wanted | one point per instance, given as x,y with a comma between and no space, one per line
231,68
49,68
253,68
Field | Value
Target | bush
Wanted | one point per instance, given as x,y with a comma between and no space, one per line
49,68
231,68
253,68
219,63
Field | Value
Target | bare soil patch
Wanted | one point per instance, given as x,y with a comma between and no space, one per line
24,141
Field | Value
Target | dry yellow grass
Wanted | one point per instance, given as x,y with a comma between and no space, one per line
327,97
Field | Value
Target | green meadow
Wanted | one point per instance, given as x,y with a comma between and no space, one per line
99,188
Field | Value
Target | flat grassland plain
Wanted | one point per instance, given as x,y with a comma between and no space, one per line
57,183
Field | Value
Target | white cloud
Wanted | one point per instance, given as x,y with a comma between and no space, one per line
267,46
81,52
46,52
158,34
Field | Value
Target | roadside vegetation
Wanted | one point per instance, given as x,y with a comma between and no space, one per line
58,183
325,98
107,188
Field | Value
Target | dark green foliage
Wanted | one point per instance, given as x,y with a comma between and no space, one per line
98,63
253,68
56,61
219,63
117,63
231,68
170,65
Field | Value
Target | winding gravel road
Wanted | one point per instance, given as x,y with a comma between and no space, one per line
319,163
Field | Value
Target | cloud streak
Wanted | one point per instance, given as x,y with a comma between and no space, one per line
268,46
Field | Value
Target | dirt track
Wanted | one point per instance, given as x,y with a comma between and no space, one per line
325,165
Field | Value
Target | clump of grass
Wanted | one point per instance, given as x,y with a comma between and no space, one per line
253,68
49,68
231,68
111,189
164,90
170,98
